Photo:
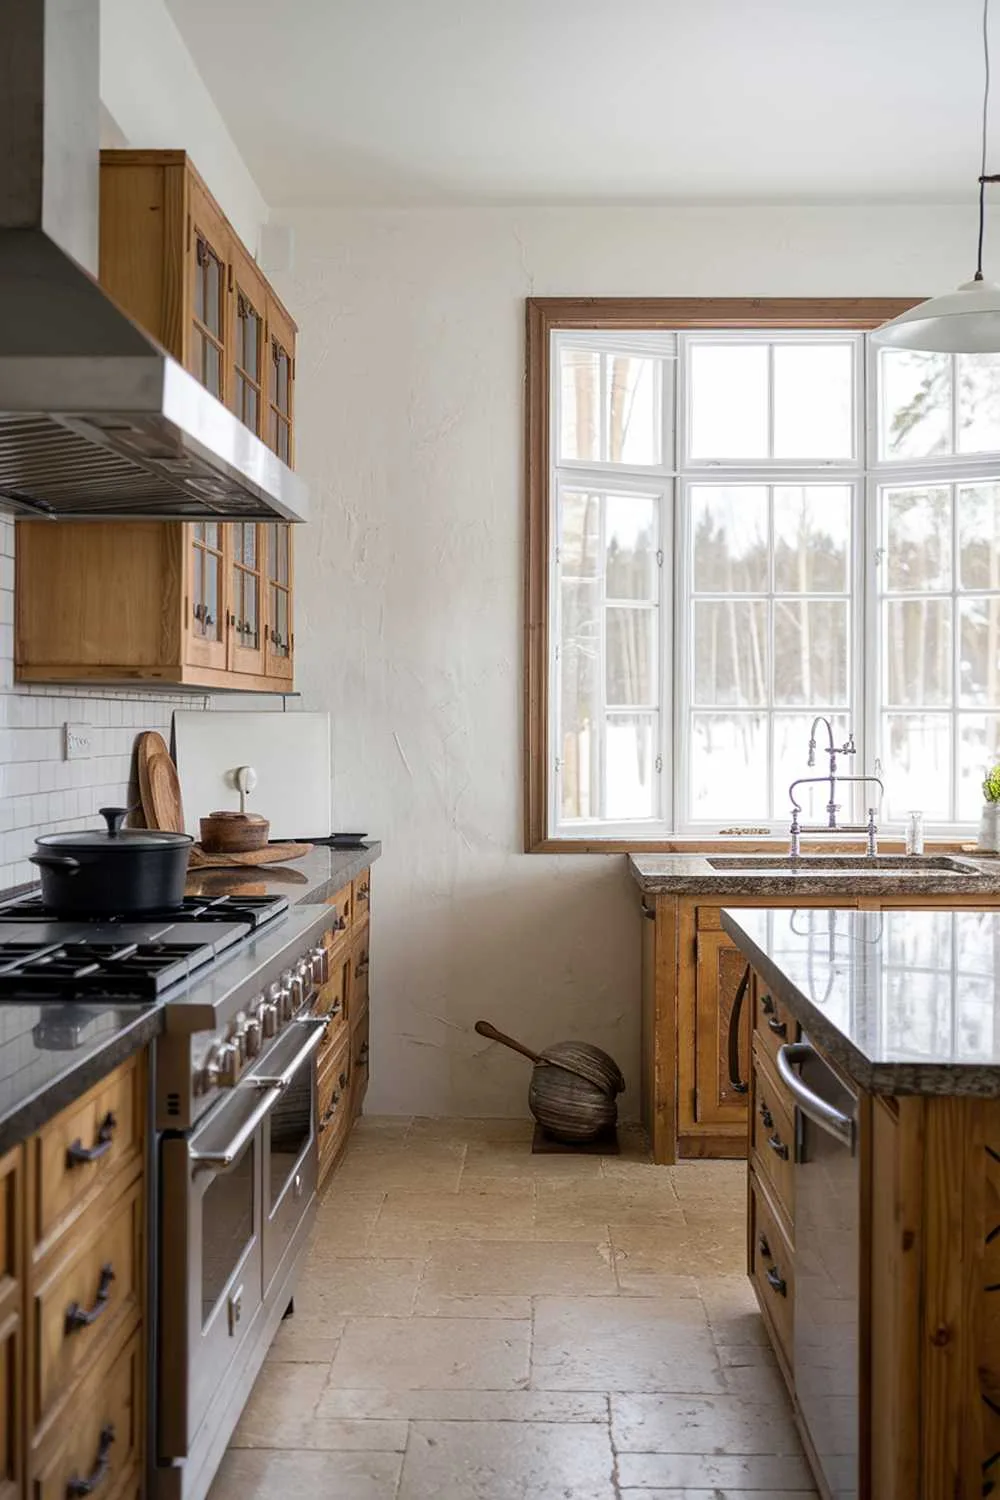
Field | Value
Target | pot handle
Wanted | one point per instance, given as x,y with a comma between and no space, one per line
64,862
114,817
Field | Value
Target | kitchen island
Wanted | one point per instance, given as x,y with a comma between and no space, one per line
695,1040
874,1188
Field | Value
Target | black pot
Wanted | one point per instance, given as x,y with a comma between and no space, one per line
114,871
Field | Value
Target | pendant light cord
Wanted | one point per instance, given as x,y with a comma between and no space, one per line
982,170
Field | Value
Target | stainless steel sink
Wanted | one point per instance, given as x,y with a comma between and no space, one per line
860,864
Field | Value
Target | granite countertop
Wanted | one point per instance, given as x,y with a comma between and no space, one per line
51,1054
906,1002
776,874
315,877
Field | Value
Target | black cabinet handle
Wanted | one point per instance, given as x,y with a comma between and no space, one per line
363,1055
342,1080
766,1117
78,1153
776,1283
763,1246
778,1146
735,1081
99,1472
82,1317
780,1028
767,1005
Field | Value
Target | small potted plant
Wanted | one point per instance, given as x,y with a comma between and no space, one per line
989,827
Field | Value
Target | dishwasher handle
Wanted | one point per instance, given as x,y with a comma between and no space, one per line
813,1106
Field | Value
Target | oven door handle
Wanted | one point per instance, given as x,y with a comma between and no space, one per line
815,1108
225,1156
315,1028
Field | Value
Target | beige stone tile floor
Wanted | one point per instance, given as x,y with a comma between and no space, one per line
477,1323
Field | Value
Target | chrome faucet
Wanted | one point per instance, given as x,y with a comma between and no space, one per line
831,779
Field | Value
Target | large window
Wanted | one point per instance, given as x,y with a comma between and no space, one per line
747,527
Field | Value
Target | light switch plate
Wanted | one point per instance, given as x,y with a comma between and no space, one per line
77,741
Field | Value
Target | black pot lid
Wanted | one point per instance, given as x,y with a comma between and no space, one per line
114,837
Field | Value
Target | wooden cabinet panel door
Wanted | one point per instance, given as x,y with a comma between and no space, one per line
279,433
721,977
11,1287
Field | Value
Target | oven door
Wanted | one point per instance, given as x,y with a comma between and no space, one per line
291,1153
211,1258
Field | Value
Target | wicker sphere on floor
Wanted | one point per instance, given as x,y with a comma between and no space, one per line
568,1107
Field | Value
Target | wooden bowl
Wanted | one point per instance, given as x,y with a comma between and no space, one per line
233,832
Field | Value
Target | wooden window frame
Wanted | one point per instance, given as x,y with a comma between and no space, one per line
543,317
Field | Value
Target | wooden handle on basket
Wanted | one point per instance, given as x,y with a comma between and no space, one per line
486,1029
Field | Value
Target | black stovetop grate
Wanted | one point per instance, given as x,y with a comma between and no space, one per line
254,910
92,970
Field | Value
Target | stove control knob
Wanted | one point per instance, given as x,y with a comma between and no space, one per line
254,1036
301,982
318,964
285,996
269,1019
238,1037
229,1065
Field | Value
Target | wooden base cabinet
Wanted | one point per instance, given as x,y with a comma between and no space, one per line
696,1024
343,1057
928,1310
73,1299
192,604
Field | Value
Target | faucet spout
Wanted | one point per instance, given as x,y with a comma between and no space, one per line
820,719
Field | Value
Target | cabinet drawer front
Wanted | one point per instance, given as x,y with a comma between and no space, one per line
341,907
102,1442
359,977
773,1024
83,1148
359,1061
331,998
80,1304
333,1097
772,1133
362,897
772,1267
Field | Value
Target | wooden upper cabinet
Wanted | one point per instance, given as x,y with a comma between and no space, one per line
205,604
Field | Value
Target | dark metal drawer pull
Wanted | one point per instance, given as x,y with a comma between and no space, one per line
99,1472
767,1005
763,1246
78,1153
82,1317
736,1083
776,1283
780,1028
778,1146
766,1117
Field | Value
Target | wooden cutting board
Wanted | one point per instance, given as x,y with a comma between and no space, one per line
271,854
159,787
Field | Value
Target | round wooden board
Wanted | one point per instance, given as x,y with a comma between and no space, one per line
159,787
273,854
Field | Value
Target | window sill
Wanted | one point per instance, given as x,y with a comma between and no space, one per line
760,844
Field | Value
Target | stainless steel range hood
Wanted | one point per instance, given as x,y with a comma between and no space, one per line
97,421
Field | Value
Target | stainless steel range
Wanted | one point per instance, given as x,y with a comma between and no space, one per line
235,1130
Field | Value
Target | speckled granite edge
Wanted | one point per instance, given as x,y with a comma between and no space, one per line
692,875
939,1079
37,1108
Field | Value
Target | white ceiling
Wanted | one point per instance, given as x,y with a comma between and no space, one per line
597,101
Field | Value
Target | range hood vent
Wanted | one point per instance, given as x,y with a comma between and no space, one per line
97,421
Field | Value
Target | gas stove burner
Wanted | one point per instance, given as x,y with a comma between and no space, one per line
93,970
254,910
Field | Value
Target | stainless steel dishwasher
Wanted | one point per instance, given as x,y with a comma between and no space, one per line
827,1255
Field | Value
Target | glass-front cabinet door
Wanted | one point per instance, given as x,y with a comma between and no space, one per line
205,624
246,585
209,271
279,434
279,639
250,294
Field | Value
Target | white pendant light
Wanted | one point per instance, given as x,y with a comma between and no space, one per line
966,321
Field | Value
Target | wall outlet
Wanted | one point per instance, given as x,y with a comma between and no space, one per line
77,741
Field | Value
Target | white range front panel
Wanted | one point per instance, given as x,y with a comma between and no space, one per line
290,753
